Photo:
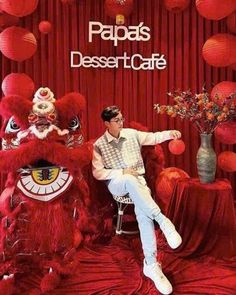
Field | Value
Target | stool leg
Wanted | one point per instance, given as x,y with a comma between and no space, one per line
119,218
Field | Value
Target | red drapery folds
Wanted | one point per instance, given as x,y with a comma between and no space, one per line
208,211
180,38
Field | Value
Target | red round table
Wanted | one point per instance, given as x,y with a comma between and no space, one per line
204,216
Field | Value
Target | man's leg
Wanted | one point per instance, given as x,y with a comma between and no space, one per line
151,268
147,235
140,194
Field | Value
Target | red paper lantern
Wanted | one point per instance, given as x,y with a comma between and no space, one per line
176,146
7,20
176,5
19,7
227,161
17,43
215,9
222,90
231,22
219,50
45,27
119,9
226,132
18,84
165,184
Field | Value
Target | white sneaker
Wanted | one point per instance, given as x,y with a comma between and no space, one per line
154,272
172,236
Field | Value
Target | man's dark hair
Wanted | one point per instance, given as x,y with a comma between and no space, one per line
110,112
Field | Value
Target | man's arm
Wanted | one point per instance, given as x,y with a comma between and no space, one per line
153,138
98,169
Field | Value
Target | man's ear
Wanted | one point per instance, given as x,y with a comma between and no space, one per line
107,123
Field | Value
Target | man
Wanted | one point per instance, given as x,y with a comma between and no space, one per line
117,160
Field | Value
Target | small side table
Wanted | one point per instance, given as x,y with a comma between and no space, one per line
204,216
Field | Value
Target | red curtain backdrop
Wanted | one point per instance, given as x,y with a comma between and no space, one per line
179,37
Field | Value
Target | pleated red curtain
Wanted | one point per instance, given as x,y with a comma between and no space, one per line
179,37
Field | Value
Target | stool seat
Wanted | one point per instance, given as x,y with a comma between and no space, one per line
122,203
123,199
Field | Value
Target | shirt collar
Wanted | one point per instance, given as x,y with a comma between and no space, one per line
111,138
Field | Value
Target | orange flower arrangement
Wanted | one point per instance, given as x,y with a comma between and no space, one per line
203,112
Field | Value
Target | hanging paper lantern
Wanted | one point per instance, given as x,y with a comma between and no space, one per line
45,27
226,132
176,146
17,43
18,84
19,7
176,5
165,185
223,90
119,9
219,50
7,20
231,22
227,161
215,9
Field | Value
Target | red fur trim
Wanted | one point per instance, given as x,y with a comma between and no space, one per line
5,200
50,281
55,152
51,227
7,286
69,106
77,238
16,106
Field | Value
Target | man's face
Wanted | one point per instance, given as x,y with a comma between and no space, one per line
116,124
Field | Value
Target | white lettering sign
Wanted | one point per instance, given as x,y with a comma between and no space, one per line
119,33
135,62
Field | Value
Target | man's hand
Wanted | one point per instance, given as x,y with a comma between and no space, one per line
130,171
175,134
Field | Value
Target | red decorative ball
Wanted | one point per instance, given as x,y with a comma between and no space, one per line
176,5
17,43
226,132
176,146
215,9
219,50
45,27
19,7
222,90
115,7
231,22
18,84
7,20
165,184
227,161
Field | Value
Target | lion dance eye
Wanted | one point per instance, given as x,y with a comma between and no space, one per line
74,124
12,126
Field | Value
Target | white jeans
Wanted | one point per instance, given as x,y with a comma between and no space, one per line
144,206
